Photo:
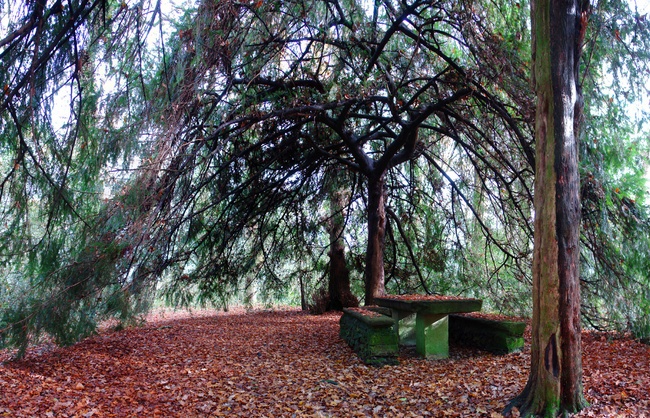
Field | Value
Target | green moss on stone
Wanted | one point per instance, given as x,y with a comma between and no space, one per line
372,338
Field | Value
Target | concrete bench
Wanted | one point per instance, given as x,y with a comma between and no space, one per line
370,332
495,336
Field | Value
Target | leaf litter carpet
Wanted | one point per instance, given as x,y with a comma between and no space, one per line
284,363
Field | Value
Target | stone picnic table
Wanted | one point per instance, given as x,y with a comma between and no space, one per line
423,320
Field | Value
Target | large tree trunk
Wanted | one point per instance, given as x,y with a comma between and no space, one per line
339,292
374,273
555,382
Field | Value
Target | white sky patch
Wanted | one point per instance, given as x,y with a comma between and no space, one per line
643,6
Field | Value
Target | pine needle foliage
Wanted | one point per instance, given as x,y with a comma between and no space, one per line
64,248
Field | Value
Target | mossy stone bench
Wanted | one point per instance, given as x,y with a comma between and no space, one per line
495,336
423,320
371,334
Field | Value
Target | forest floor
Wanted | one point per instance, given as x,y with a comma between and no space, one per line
285,363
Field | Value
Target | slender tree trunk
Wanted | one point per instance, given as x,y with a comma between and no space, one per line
339,292
249,299
555,382
374,274
303,298
476,254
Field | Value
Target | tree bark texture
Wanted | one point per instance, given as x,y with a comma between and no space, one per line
339,292
374,273
554,385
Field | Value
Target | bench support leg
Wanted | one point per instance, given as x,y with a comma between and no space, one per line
405,327
432,335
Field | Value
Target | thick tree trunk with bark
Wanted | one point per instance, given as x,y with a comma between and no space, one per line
374,273
339,292
555,382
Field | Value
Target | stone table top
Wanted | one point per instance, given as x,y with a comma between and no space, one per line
430,304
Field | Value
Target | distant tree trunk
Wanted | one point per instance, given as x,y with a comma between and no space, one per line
339,292
555,382
249,299
374,273
303,298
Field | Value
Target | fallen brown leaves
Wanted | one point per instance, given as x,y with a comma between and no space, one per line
367,312
285,363
493,317
427,297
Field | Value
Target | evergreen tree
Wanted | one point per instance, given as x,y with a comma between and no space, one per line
555,382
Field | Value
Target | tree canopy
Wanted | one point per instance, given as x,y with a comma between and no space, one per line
194,156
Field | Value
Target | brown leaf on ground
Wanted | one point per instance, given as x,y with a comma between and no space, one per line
494,317
285,363
428,298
